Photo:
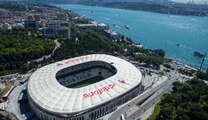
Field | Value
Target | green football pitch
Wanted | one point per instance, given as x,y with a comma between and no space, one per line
86,82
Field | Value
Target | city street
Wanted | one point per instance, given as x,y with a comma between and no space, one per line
150,102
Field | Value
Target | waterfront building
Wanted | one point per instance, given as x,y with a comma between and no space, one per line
83,26
112,34
103,26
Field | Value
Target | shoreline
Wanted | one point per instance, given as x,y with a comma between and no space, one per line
181,63
171,11
193,62
135,43
170,14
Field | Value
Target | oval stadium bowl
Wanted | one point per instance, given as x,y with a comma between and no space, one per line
84,88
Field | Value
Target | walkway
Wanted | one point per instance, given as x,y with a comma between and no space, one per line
58,45
13,105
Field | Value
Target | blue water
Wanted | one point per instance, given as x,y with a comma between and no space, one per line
155,30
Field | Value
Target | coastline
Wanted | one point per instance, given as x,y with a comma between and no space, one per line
186,50
135,43
155,7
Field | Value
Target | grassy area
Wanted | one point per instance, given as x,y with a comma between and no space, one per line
86,82
155,113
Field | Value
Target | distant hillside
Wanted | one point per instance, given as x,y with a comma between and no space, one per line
106,1
166,7
158,6
77,1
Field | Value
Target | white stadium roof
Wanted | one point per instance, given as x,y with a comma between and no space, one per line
49,94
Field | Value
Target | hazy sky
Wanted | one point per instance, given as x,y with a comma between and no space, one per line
195,1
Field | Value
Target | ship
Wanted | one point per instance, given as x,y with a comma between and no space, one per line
198,54
126,26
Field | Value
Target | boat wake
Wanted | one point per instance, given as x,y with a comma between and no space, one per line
184,46
107,18
193,19
115,25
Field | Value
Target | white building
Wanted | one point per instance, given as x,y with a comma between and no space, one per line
90,25
112,34
103,26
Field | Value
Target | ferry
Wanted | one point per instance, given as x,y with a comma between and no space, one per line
198,54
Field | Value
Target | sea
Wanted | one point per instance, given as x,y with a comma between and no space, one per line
178,35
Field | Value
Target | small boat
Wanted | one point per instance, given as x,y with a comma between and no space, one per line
178,45
198,54
126,26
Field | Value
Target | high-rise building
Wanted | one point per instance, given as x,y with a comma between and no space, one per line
64,32
57,27
37,17
31,24
30,18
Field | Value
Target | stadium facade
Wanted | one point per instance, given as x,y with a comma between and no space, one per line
52,98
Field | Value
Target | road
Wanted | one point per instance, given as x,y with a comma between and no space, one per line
58,45
13,105
173,76
135,111
130,107
150,102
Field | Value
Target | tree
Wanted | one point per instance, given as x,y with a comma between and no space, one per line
177,99
166,113
181,114
160,52
197,113
187,101
1,68
17,48
25,67
177,86
202,75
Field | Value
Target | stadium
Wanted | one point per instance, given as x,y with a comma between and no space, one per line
83,88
